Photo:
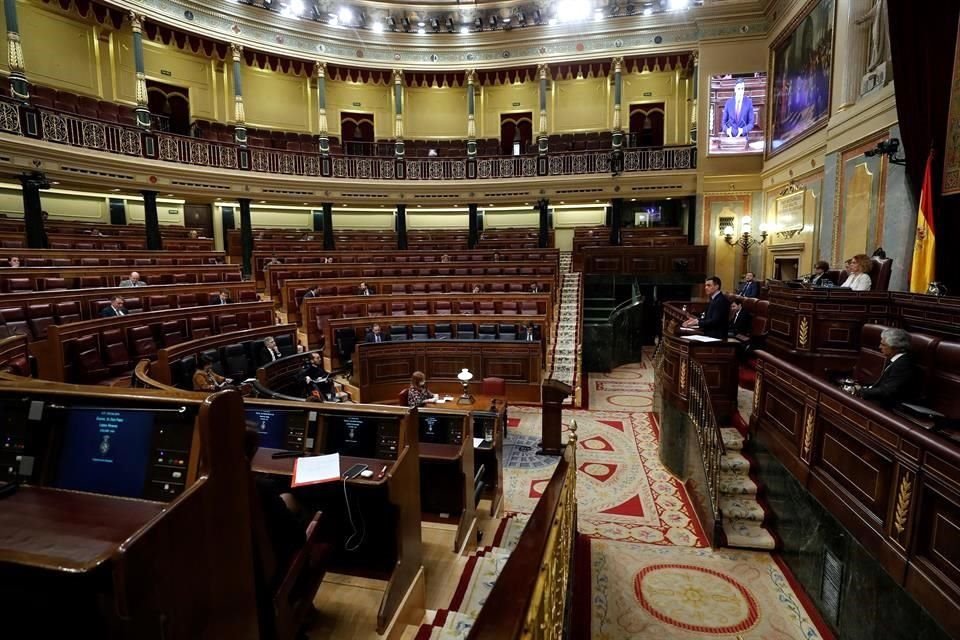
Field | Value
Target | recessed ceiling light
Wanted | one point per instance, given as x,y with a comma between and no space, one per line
668,198
333,20
648,11
464,29
306,203
115,190
421,30
378,27
55,182
421,24
633,199
219,199
562,202
491,205
169,195
345,15
596,201
418,206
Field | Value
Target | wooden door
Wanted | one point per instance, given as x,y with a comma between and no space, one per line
199,215
515,127
357,133
647,124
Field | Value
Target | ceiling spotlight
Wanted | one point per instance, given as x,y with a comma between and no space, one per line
345,15
421,30
537,18
406,24
493,22
507,24
435,25
333,20
521,19
450,26
678,5
464,30
478,23
573,10
392,23
378,27
296,6
648,11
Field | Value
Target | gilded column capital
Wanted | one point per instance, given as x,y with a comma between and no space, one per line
320,68
695,60
236,51
136,22
397,75
618,64
471,75
543,70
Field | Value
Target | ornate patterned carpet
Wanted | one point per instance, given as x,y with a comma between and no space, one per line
645,570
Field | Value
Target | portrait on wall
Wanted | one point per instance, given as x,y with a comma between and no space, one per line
736,119
801,62
951,160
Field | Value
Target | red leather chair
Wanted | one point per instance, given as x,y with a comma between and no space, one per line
66,312
404,397
40,316
494,387
141,342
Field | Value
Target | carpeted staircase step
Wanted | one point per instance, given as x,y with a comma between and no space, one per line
741,508
732,439
736,484
746,534
736,462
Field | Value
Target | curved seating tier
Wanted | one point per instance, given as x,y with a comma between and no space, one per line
15,356
79,228
339,336
93,350
97,257
397,307
87,276
380,371
234,353
32,313
523,238
643,237
16,240
275,273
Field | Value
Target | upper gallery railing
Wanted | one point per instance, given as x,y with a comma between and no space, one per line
75,130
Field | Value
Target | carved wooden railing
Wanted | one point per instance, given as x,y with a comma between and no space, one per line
529,600
52,125
708,434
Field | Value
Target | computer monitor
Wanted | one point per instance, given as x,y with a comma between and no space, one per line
280,428
106,451
440,429
352,435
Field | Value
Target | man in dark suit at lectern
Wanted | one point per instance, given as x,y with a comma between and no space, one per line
898,382
714,321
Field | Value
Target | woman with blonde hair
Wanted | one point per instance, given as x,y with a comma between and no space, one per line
859,278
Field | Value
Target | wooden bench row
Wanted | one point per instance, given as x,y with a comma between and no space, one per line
31,313
85,277
8,223
276,273
97,257
339,336
92,350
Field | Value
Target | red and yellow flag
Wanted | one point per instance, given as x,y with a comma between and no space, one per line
922,271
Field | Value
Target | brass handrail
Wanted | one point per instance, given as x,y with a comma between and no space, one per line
528,601
708,432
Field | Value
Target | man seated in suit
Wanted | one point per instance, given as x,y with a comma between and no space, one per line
749,288
374,335
740,320
318,379
714,321
534,288
311,291
364,290
223,298
268,352
529,333
898,382
114,309
133,281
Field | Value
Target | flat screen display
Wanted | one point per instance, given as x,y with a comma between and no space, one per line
106,451
737,108
351,435
272,426
439,429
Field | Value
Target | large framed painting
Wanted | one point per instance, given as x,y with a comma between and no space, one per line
801,60
951,160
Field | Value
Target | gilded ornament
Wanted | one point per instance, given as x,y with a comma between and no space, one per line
808,433
804,334
683,375
903,504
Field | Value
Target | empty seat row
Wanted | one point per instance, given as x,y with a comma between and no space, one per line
83,106
95,357
119,261
459,331
43,283
325,312
33,320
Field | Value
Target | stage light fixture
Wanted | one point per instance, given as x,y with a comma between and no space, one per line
573,10
537,18
493,22
378,27
297,7
345,15
678,5
392,23
648,11
421,31
435,25
478,23
464,30
521,19
406,24
450,26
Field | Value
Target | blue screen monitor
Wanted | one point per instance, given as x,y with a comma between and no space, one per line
106,451
272,426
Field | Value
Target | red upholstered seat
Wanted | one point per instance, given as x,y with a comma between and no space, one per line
15,321
66,312
11,285
87,363
172,333
116,354
141,341
39,317
200,327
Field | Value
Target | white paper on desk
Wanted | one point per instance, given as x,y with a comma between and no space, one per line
477,442
316,469
702,338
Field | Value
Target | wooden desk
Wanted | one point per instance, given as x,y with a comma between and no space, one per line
69,530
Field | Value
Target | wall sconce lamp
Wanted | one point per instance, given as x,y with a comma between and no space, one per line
746,240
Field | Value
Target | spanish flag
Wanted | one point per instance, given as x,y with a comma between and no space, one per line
922,271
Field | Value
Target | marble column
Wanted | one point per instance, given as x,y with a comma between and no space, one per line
543,207
471,119
328,241
473,226
401,226
542,139
398,113
239,117
33,209
142,108
19,87
151,221
246,236
324,137
617,99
